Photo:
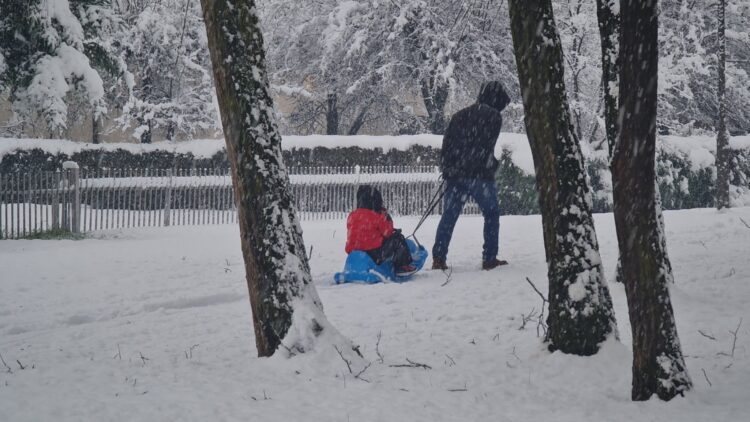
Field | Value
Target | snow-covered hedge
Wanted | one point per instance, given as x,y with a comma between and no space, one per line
685,166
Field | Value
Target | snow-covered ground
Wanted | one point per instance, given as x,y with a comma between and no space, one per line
155,325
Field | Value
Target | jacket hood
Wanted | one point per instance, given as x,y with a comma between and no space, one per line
369,197
494,95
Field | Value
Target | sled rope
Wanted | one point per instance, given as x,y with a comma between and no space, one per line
431,207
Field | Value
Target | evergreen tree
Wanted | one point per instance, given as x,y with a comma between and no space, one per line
580,307
50,51
658,365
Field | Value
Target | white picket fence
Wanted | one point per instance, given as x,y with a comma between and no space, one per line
82,201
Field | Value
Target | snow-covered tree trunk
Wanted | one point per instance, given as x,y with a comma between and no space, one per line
580,306
658,364
608,16
607,12
287,312
723,155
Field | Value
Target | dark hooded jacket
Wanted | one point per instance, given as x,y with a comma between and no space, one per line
469,141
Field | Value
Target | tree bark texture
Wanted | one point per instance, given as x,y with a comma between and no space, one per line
332,114
608,16
723,154
658,364
277,269
146,135
607,13
580,307
435,95
359,121
96,128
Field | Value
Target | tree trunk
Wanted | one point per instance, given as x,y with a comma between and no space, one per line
580,306
171,128
332,115
96,128
286,310
359,121
658,364
723,155
435,96
147,134
609,32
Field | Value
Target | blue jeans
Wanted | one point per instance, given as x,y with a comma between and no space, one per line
457,192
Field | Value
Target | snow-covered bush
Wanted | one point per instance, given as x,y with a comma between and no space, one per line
685,166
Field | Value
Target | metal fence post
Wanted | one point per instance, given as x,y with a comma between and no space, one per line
73,189
55,187
168,200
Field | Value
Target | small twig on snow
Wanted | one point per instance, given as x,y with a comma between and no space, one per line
118,355
745,223
7,368
411,364
309,256
20,365
143,358
706,376
189,352
453,362
544,299
526,318
377,348
706,335
734,341
540,321
448,276
514,354
348,363
455,390
734,334
358,375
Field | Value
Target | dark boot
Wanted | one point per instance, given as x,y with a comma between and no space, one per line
491,265
439,264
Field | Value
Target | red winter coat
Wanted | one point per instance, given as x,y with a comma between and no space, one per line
366,229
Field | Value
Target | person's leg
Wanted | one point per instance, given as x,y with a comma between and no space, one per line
484,193
453,203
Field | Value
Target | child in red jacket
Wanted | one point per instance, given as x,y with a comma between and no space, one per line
370,229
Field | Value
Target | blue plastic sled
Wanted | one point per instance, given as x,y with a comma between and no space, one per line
360,268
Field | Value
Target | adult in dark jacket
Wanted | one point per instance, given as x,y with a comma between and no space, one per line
468,164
